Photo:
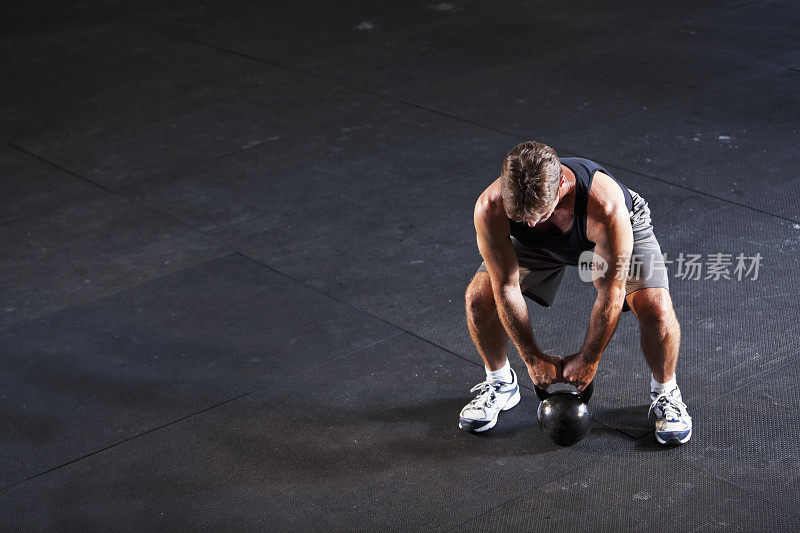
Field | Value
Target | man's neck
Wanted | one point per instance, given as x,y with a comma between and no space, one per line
566,201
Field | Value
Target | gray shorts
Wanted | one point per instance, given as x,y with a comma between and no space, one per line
540,274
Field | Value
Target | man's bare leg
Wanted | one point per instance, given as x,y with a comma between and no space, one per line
660,340
660,332
500,391
485,328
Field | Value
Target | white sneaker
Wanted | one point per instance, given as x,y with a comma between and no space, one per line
673,423
481,413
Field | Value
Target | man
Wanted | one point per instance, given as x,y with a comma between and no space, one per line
540,215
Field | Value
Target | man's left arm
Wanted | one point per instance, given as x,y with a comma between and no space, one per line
615,245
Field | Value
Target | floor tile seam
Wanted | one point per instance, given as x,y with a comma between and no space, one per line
747,490
588,52
200,262
128,439
307,27
639,173
53,164
713,473
306,73
691,47
224,252
720,89
774,67
626,43
458,118
619,42
119,189
229,252
306,370
362,311
45,172
248,56
344,355
747,383
659,180
702,16
350,353
396,32
112,192
612,428
79,243
608,163
702,406
223,247
406,331
637,436
455,117
402,330
336,82
433,343
698,191
399,333
41,211
648,434
522,494
710,48
641,33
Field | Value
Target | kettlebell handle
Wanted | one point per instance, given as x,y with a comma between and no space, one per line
584,395
542,394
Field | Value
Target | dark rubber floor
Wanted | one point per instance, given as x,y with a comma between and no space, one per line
235,238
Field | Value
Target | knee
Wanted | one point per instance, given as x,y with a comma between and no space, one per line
659,318
479,299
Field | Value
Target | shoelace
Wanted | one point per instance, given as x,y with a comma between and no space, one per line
487,396
672,407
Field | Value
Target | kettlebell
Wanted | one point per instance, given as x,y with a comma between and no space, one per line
564,415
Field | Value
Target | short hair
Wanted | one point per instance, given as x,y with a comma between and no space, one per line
529,180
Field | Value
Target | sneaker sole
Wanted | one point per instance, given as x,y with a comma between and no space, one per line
513,401
674,441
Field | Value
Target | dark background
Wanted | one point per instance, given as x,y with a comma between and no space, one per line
235,237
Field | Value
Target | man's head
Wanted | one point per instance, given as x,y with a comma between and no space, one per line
529,182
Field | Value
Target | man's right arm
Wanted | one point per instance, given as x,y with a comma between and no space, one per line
494,242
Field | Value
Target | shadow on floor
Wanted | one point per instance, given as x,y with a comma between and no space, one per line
632,420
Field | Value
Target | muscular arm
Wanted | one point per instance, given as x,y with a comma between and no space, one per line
614,244
494,242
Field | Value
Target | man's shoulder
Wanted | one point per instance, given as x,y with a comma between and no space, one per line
605,204
605,197
489,210
490,202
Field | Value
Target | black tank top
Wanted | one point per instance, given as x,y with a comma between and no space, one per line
567,247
